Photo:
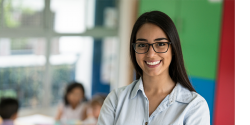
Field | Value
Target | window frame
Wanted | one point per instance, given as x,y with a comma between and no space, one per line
48,33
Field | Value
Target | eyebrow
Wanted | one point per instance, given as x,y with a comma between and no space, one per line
140,39
158,39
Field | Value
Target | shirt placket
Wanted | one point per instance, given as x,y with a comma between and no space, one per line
163,106
146,107
146,116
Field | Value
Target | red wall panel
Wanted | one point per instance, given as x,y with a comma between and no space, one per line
225,87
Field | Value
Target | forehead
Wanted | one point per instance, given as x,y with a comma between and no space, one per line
76,89
150,30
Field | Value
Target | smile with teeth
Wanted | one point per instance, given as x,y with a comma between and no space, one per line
153,63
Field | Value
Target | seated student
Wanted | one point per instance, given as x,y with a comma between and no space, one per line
92,110
8,110
73,105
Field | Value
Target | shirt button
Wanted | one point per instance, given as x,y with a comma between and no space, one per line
146,123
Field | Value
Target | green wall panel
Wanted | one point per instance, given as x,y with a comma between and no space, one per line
200,36
166,6
198,24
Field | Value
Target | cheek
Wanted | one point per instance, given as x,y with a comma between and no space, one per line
139,59
70,97
96,110
167,58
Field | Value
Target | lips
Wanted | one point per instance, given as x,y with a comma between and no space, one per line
153,64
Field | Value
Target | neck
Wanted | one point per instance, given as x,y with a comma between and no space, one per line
74,106
158,84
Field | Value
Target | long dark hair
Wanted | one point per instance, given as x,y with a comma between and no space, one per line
72,85
177,69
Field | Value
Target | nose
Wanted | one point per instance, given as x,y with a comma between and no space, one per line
151,52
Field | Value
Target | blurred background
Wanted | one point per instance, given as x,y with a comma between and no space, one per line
45,44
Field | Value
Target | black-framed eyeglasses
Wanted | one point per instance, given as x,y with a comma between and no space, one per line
158,47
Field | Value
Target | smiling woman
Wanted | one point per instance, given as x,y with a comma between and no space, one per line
162,93
157,58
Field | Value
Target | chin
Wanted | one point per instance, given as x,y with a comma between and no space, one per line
152,74
158,72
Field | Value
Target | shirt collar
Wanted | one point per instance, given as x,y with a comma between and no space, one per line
184,95
179,93
138,86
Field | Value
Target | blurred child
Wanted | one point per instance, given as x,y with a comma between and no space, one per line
73,105
93,109
8,110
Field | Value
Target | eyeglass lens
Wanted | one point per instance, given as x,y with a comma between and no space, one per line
159,47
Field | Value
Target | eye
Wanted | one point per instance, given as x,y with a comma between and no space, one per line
141,45
161,44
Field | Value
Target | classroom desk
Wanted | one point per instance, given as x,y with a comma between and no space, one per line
39,119
36,119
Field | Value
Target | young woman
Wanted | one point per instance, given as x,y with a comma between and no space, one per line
162,93
72,107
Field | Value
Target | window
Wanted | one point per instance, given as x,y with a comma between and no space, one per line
22,13
68,16
45,44
22,69
72,61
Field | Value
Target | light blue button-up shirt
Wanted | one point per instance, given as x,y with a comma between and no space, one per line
129,106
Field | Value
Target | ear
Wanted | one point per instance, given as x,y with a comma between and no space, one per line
14,116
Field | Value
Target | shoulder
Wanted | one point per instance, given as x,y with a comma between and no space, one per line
184,95
61,105
123,91
197,110
82,105
120,93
